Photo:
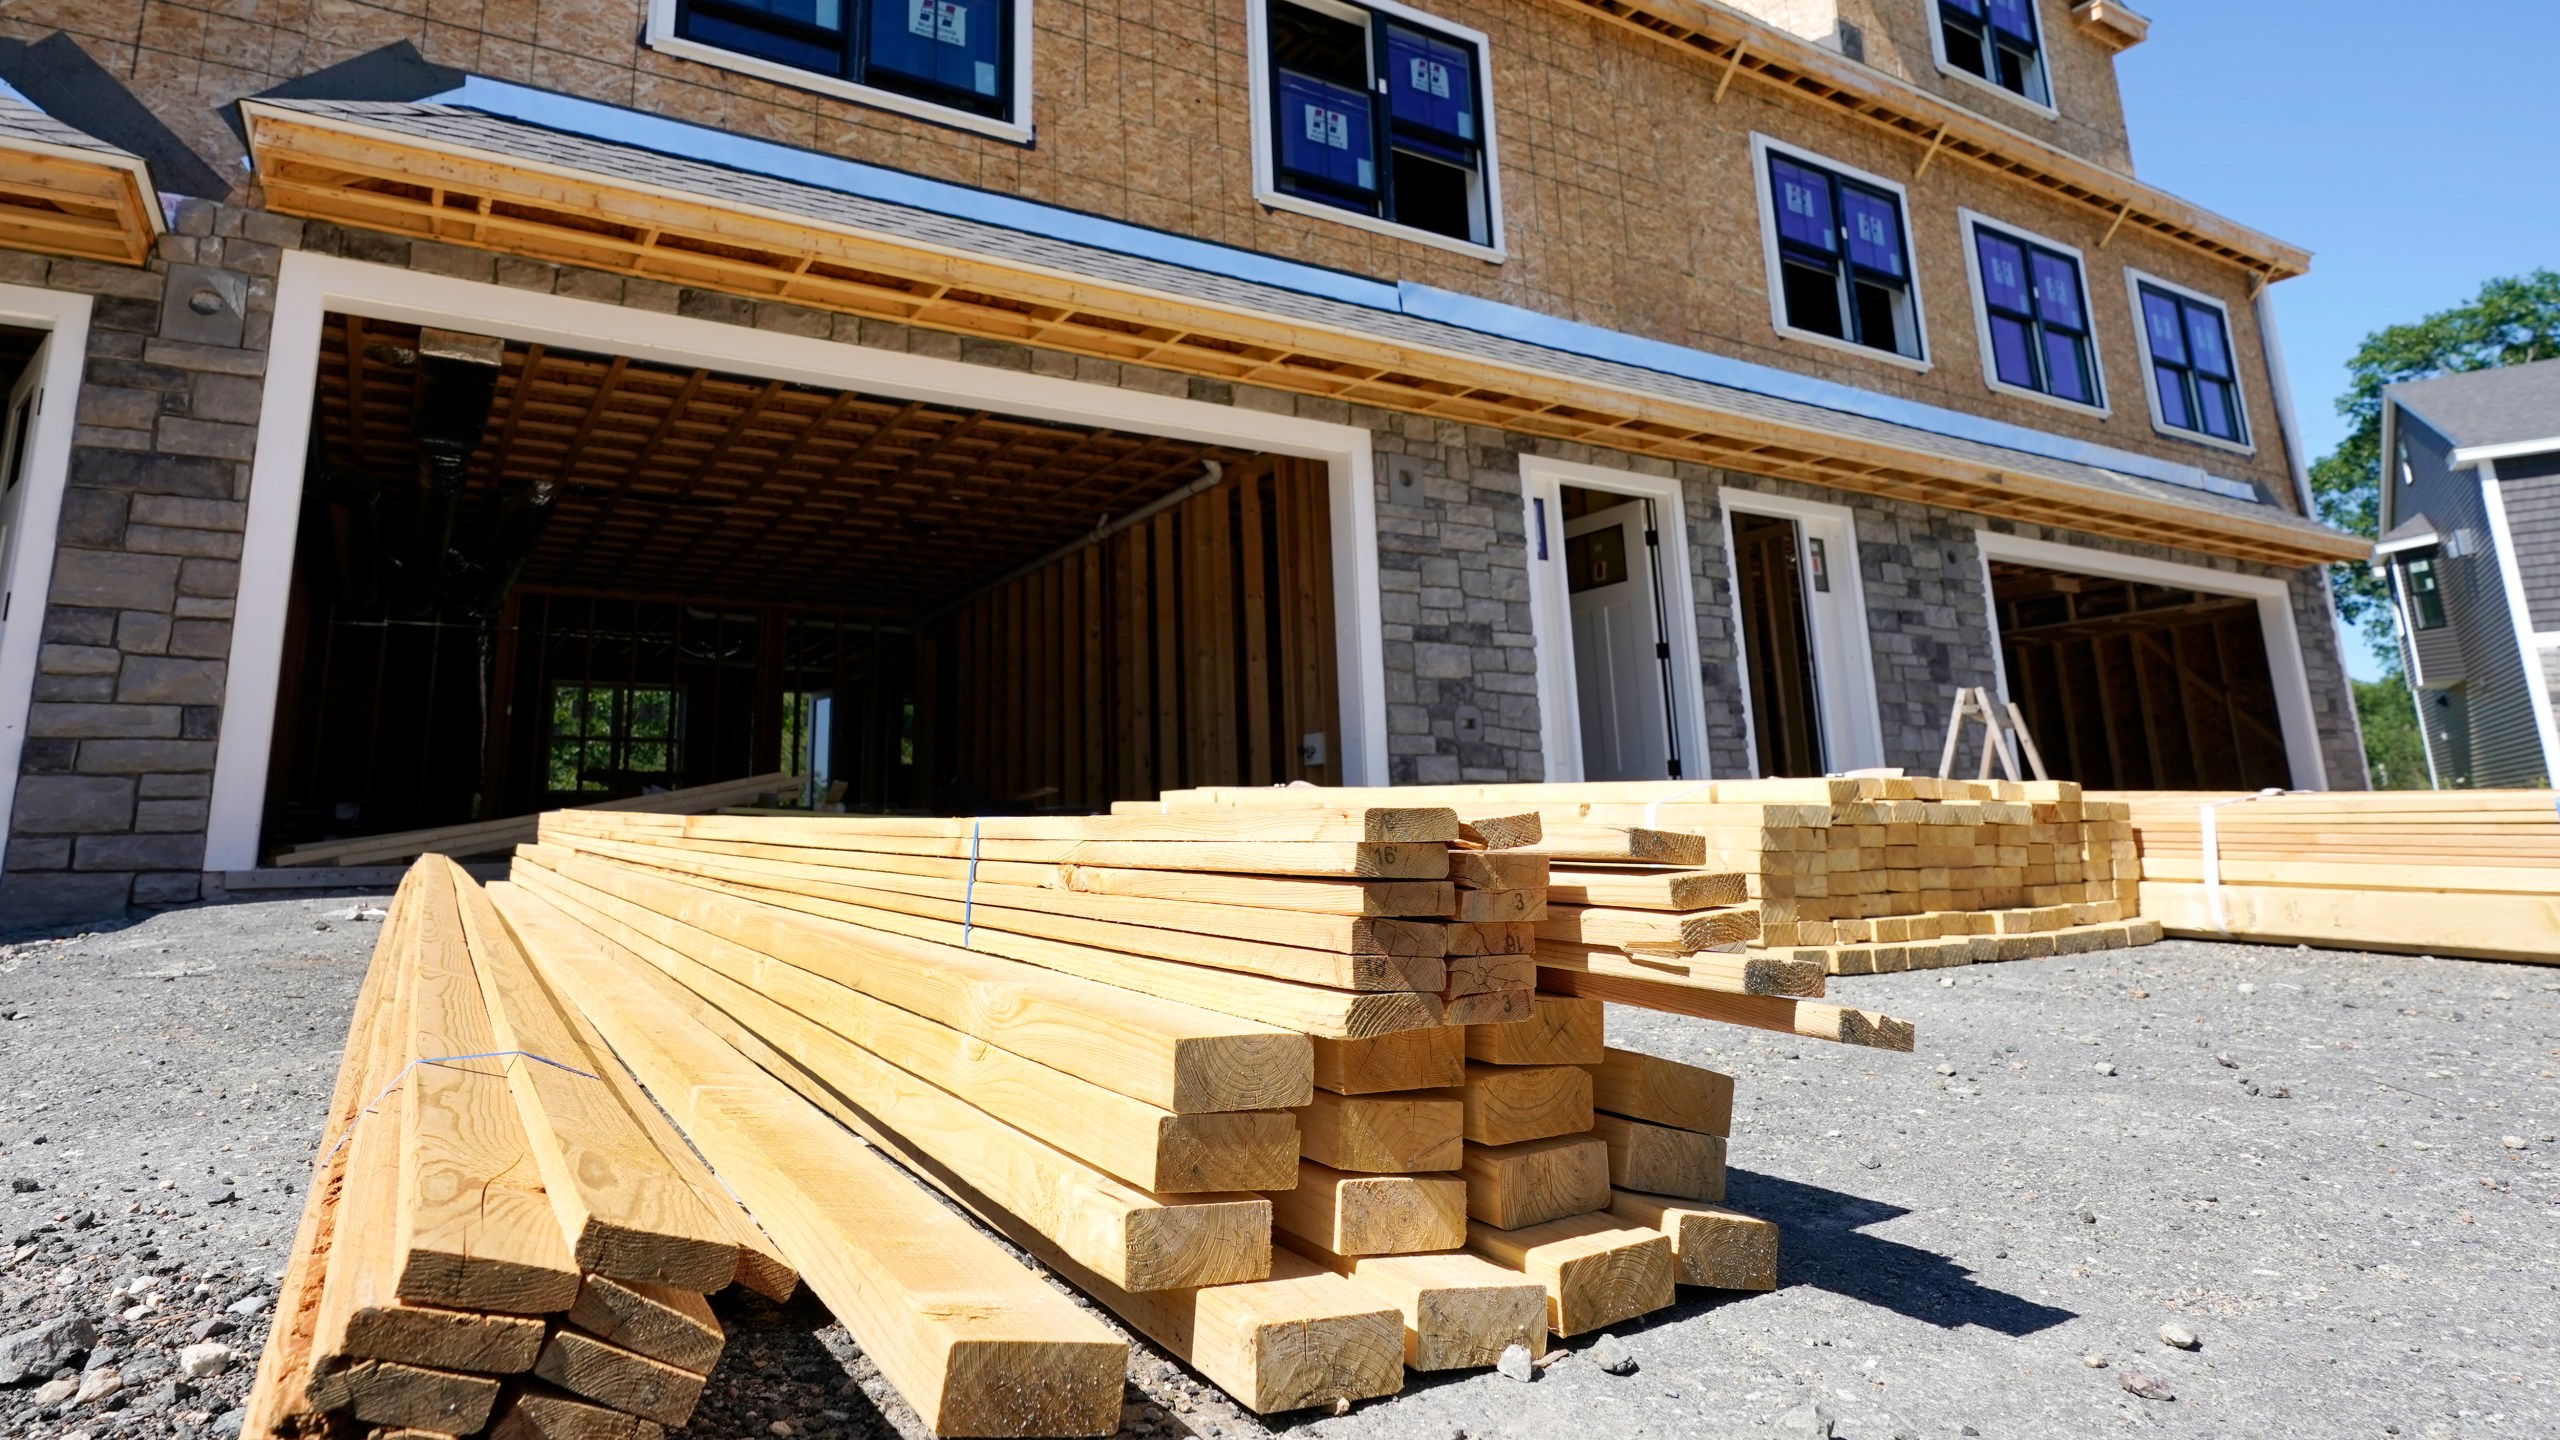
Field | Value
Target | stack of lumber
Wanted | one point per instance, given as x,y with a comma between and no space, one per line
502,1233
495,837
2473,873
1852,875
1279,1089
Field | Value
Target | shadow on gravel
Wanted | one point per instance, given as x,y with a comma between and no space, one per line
1819,1245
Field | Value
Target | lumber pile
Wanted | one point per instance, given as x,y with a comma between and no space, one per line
2472,873
501,1234
495,837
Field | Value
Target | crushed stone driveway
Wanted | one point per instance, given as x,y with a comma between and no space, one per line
2338,1171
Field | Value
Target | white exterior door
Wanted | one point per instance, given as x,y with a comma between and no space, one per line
1619,668
17,435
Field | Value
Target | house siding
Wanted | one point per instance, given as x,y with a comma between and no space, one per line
2533,518
2505,748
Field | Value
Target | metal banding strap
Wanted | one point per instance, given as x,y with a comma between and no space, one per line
1653,808
2212,847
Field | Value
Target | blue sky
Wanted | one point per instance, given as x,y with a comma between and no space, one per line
2404,145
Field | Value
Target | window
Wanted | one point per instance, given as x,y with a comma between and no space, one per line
2426,603
2195,388
1996,41
1839,261
2035,317
946,55
613,738
1375,114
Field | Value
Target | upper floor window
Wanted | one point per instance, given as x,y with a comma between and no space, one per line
2195,386
1377,112
1997,41
2426,602
1839,254
957,61
2035,316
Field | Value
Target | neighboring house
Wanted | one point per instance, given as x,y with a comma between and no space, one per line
430,413
2471,546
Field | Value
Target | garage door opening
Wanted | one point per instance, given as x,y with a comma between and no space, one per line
2136,686
527,577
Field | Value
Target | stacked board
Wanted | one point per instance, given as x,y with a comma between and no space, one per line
2472,873
496,837
501,1235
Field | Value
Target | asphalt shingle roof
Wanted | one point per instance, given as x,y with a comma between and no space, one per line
2513,406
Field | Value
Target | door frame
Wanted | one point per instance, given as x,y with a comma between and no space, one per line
309,286
2275,621
29,563
1844,673
1551,608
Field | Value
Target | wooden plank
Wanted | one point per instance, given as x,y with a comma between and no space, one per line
1506,1104
1488,938
1477,974
1598,1270
1182,1059
1570,842
1498,906
1327,827
1674,890
1382,1134
538,1412
1662,1160
1666,1092
971,1339
1710,1245
1560,1030
2480,926
1535,1181
387,1392
1749,973
659,1321
487,836
1811,1019
621,1379
1461,1311
1421,1059
1489,1007
1697,930
1348,1214
1499,870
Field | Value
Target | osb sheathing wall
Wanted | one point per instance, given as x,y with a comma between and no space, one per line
1628,197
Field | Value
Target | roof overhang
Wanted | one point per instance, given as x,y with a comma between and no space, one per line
2470,455
2117,26
2401,545
382,178
91,204
1738,44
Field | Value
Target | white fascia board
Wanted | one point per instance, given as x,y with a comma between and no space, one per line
2470,455
2403,544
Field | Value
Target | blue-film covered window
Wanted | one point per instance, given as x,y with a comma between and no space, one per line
1998,41
2038,317
1844,259
1380,117
949,52
2191,369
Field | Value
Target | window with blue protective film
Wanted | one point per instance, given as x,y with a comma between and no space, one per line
2015,19
1431,84
1804,205
1324,134
2013,351
2058,290
2004,271
1844,269
1382,118
951,44
2191,366
1995,41
2165,321
2037,314
2205,341
955,53
1874,229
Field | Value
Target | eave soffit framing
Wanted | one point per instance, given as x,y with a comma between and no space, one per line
65,192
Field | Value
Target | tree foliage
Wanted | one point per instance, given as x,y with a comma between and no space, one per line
2510,322
2395,758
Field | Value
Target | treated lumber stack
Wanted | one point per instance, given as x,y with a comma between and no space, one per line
494,837
2473,873
501,1233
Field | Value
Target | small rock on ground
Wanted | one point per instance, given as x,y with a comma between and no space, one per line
1612,1355
1806,1422
2143,1385
1516,1364
2178,1337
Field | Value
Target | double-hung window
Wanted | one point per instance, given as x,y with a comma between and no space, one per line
1840,255
1996,41
2195,387
2426,602
949,55
2035,317
1374,112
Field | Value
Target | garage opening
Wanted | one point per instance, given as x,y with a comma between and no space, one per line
2136,686
528,577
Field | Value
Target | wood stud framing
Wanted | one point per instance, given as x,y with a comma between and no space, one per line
61,201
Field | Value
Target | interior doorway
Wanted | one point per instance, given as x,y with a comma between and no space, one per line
1621,649
1775,570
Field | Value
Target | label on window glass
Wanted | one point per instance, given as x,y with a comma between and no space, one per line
940,20
1430,77
1329,128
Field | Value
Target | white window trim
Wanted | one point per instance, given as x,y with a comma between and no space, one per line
1848,677
2502,537
310,285
2134,280
29,563
1015,125
2044,62
1762,147
1971,221
1266,183
1551,610
2294,718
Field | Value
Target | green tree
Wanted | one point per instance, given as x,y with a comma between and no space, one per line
2395,757
2510,322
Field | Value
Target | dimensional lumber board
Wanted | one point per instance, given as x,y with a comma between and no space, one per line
1175,1056
658,1321
1151,1148
2479,926
1583,843
539,1412
1666,1092
475,1230
1757,972
1492,937
1348,1214
1661,1160
491,836
1598,1269
1489,1007
1509,1186
1348,860
1500,907
1810,1019
610,1375
1461,1311
1560,1030
1506,1104
1382,1134
625,1213
1674,890
1331,824
1478,974
971,1339
1406,1060
1660,929
1710,1245
1498,870
387,1392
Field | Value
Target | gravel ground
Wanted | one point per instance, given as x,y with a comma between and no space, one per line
2337,1171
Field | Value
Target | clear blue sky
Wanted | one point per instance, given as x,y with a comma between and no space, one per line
2407,146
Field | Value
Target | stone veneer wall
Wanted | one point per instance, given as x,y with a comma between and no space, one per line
112,798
